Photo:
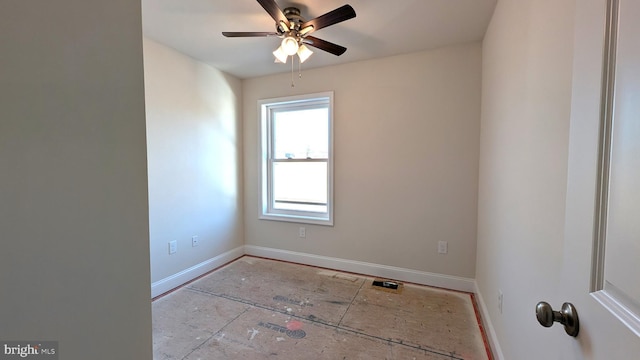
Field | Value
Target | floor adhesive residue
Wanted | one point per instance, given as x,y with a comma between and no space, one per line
255,308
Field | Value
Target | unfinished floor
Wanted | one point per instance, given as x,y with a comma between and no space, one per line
256,308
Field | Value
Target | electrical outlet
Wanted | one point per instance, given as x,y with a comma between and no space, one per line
500,299
442,247
194,241
302,232
173,247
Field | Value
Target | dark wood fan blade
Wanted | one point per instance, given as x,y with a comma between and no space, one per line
272,8
324,45
248,34
340,14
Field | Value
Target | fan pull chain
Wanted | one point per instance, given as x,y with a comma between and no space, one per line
292,83
299,69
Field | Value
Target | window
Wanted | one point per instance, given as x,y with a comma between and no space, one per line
297,158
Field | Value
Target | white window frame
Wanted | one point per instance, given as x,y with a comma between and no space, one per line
265,109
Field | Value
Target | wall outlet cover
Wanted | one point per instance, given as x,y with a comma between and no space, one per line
443,247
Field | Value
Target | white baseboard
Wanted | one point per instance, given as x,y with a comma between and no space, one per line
488,326
365,268
171,282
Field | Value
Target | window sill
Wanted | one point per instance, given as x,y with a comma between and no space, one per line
297,219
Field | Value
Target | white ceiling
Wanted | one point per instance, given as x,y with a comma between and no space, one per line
381,28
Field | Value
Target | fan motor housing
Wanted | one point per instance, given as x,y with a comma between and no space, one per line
293,15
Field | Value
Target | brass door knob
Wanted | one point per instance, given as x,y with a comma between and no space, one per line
567,316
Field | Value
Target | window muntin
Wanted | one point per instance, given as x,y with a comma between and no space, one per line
297,159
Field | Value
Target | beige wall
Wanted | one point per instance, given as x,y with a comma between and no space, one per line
406,160
74,262
526,99
195,163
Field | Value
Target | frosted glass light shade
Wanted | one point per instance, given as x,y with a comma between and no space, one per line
280,55
289,45
304,52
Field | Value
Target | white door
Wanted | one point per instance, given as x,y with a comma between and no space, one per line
606,317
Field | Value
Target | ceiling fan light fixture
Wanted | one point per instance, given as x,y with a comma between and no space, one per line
304,52
295,31
289,45
280,55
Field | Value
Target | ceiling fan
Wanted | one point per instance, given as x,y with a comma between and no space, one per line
295,31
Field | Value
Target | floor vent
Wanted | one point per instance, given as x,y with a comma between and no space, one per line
387,285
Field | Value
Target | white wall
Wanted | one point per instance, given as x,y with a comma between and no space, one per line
195,163
526,98
74,262
406,160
